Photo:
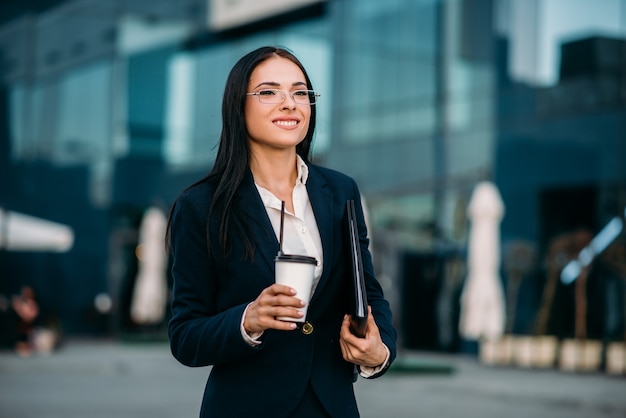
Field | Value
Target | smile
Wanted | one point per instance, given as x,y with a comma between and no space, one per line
287,123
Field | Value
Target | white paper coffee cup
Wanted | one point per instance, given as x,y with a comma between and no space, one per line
296,271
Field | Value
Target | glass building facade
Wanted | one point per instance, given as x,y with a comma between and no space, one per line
109,107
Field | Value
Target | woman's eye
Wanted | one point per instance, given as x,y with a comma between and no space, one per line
267,93
300,93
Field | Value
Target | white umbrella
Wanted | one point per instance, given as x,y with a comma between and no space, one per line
20,232
150,293
482,299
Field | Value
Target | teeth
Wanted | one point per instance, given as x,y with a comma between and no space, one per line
286,122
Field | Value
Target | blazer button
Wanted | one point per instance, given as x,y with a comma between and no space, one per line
307,328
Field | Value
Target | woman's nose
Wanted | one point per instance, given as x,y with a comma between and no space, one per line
288,102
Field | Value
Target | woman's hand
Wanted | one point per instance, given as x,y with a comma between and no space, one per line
275,300
369,351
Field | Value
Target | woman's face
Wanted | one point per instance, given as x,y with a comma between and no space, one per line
276,125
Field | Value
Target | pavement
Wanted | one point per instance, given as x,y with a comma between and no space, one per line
99,379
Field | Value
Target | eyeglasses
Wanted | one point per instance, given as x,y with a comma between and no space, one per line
274,96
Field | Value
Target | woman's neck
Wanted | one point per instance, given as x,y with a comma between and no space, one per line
276,172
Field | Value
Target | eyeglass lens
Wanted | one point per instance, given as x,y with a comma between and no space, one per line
273,96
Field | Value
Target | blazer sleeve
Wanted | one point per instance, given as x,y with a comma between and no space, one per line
375,297
199,334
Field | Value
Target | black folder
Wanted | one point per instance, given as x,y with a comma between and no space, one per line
359,305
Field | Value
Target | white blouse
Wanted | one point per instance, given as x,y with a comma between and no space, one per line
300,233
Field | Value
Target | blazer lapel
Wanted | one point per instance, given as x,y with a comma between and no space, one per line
260,226
321,199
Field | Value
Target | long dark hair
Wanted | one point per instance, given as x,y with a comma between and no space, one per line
233,155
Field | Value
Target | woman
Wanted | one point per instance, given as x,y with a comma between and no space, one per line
223,235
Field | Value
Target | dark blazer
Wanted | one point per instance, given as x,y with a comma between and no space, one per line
211,292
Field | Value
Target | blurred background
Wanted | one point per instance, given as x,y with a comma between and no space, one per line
109,108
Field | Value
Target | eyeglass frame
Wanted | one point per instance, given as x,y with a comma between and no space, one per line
310,93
